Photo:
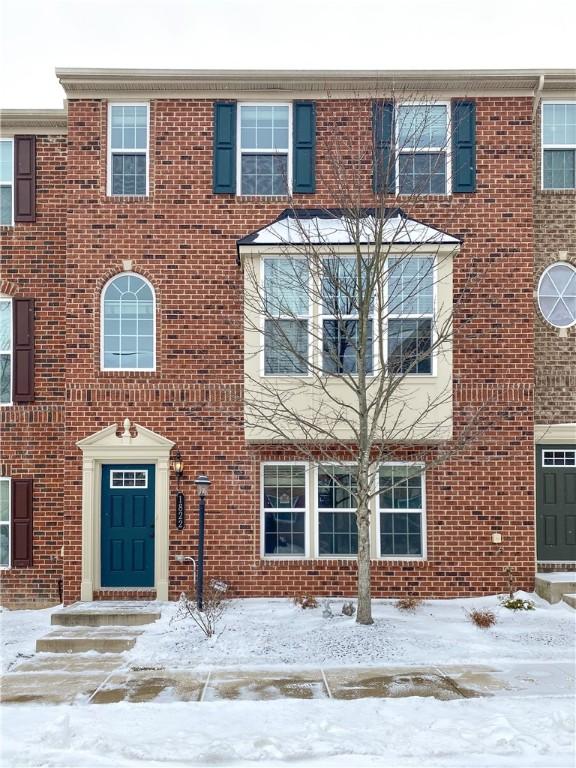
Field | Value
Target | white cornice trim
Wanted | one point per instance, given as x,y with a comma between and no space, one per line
94,83
35,121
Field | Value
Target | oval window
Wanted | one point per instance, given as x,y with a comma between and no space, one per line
557,295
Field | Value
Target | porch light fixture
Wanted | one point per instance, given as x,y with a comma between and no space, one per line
202,484
178,465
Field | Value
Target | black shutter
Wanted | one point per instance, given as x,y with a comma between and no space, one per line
23,373
384,170
22,496
24,178
463,146
224,160
304,147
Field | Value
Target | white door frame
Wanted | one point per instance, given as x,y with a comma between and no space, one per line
135,445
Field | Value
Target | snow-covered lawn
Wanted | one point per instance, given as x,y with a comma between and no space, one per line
19,631
527,724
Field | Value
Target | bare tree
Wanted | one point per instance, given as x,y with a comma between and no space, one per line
348,322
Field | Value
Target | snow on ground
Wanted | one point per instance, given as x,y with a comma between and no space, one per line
275,632
317,734
19,631
532,728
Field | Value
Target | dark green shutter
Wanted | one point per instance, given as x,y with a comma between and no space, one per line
463,146
304,147
224,162
384,170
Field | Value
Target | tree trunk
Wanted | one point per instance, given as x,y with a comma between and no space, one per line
364,613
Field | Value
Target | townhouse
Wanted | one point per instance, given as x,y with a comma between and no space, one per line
129,221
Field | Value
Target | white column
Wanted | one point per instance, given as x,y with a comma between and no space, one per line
162,529
86,588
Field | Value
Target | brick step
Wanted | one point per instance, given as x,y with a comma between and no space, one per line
83,639
570,599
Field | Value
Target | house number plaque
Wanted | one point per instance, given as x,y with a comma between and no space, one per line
180,509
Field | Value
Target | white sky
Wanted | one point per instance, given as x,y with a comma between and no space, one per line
38,35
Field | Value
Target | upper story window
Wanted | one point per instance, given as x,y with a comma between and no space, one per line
340,327
5,351
559,145
557,295
264,140
128,149
6,182
286,324
411,313
422,149
128,324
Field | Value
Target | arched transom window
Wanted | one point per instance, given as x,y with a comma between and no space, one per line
128,324
557,294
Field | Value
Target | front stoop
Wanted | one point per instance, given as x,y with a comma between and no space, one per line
554,586
110,627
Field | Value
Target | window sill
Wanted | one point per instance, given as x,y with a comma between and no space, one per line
263,198
557,190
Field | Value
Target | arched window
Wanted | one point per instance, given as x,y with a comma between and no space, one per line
557,294
128,339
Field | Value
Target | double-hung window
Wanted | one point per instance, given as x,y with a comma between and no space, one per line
401,506
6,182
4,522
286,298
559,145
341,332
5,351
264,140
422,148
337,529
284,505
410,313
128,149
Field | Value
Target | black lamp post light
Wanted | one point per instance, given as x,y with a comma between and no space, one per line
202,484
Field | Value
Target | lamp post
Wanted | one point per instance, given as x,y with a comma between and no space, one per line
202,484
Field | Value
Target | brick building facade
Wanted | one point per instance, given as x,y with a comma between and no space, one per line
178,237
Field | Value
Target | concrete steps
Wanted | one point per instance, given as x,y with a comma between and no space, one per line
110,627
553,587
570,600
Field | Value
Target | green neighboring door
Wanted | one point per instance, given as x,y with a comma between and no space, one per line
556,502
127,530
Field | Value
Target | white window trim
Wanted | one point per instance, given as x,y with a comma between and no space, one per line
317,511
102,294
264,316
11,184
422,512
289,152
305,510
8,523
543,146
447,149
542,276
10,352
131,151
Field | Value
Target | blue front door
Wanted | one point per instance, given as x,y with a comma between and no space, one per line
127,541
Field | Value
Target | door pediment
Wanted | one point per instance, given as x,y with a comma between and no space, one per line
133,440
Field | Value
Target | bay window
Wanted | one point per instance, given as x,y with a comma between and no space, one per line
286,302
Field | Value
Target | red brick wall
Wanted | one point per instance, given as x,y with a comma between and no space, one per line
33,436
183,239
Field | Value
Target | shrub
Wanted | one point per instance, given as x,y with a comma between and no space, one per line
410,603
482,617
215,600
517,604
306,601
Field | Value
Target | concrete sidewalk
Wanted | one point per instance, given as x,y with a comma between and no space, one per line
105,678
